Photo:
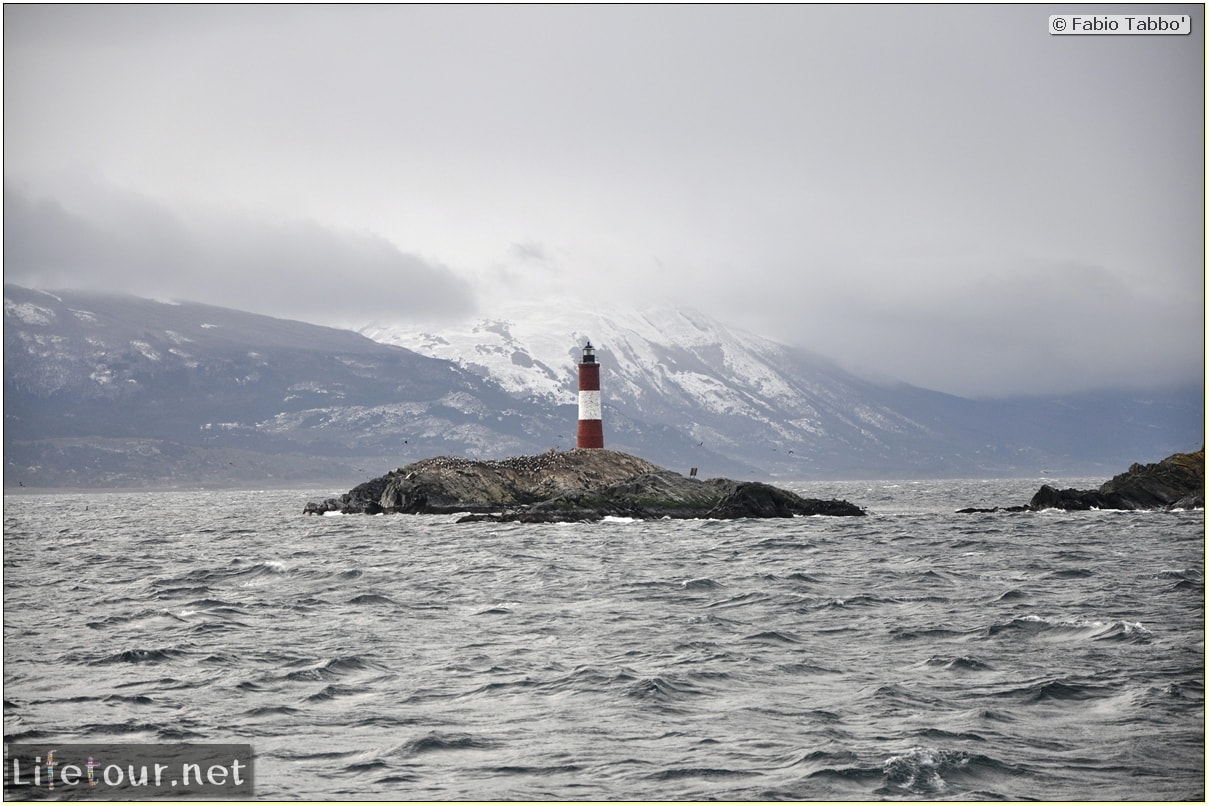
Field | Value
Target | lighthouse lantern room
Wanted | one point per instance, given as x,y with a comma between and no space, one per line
591,433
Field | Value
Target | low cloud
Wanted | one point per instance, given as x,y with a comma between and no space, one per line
104,239
999,327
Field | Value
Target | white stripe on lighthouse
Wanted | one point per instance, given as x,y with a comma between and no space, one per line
589,404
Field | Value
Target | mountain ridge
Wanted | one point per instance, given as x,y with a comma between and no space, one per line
119,391
795,412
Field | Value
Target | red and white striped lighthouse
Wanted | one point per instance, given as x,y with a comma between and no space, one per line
591,434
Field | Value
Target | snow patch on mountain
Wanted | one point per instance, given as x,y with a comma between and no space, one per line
28,313
532,351
720,387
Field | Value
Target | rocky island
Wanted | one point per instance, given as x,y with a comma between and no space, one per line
561,486
1177,482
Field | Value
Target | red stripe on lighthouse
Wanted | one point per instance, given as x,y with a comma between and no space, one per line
591,434
589,377
591,431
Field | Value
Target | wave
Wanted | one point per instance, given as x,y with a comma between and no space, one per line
553,769
965,663
772,636
181,592
649,584
492,688
676,773
1038,627
1181,573
212,604
783,543
372,598
385,721
162,682
741,600
1186,578
333,691
918,771
334,668
1071,573
365,766
141,656
119,728
902,697
806,668
928,771
933,576
1057,690
290,754
824,759
852,774
134,699
216,626
860,600
436,742
661,689
930,633
272,710
125,618
1129,631
210,576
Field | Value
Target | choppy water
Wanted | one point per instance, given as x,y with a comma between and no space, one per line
913,654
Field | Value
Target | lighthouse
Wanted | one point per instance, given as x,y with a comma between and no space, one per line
591,434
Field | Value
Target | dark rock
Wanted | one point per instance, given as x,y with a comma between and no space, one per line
1177,482
1069,499
821,506
978,510
571,486
752,499
330,505
1192,501
535,516
1162,485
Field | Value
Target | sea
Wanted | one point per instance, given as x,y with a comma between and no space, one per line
915,654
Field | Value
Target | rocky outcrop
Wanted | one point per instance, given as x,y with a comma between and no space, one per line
1071,500
577,485
1177,482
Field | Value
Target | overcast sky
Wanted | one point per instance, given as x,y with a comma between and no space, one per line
946,195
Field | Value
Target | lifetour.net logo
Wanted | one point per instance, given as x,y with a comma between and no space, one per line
128,771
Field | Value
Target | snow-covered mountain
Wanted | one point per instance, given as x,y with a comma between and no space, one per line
656,359
729,391
103,390
735,394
